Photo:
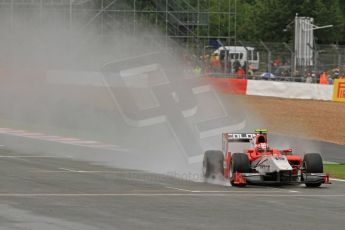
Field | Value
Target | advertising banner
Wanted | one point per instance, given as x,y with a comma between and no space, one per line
339,90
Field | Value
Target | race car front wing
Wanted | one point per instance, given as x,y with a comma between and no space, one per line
257,178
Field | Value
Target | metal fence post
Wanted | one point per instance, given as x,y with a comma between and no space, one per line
225,57
338,56
269,67
292,68
247,64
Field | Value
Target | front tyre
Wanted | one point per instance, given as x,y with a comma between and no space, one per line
239,163
312,163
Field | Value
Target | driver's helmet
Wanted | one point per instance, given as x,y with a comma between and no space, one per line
262,147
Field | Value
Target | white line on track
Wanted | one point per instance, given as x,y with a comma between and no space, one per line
194,191
282,189
69,170
24,156
231,191
64,170
180,189
225,194
334,179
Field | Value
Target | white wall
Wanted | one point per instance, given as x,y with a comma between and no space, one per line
290,90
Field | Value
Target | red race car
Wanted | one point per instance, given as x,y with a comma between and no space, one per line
261,164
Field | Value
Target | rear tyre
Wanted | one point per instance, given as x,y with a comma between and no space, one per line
212,164
239,163
312,163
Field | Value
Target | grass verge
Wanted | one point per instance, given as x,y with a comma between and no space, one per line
335,170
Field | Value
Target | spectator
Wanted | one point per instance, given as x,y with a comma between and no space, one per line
336,73
330,80
197,70
250,72
308,78
323,78
277,62
215,62
267,76
241,73
236,65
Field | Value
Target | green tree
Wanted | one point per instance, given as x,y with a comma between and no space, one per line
265,19
246,27
271,17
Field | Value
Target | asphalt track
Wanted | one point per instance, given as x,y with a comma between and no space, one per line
49,192
329,151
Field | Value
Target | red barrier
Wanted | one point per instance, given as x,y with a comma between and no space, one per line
229,85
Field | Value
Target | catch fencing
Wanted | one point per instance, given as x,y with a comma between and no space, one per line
277,61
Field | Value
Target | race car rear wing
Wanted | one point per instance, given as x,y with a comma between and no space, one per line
244,137
239,137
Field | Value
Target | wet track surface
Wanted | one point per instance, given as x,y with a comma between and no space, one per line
46,192
329,151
